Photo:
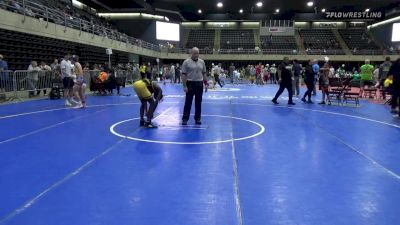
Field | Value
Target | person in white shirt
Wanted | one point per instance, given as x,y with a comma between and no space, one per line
194,77
66,72
273,71
33,77
216,73
236,76
331,72
376,74
172,73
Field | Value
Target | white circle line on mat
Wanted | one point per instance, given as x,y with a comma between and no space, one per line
261,131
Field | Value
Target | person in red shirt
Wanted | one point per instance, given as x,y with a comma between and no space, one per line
258,74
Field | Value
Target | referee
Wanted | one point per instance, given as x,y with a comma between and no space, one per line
193,77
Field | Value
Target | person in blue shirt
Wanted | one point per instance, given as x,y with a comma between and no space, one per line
4,76
3,64
316,74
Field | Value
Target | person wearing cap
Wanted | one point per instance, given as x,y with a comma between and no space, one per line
193,78
149,94
286,79
367,71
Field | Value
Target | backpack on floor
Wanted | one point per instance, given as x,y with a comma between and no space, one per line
55,93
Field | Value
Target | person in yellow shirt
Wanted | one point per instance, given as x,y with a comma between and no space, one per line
149,94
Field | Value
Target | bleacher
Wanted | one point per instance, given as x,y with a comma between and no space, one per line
320,41
358,41
19,49
237,39
201,38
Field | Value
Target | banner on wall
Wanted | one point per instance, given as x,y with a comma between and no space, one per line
355,15
277,31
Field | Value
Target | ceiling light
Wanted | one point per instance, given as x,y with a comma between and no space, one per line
219,5
367,10
199,11
277,10
323,10
309,4
259,4
241,11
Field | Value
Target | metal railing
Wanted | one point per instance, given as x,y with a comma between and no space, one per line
375,52
23,83
57,16
325,52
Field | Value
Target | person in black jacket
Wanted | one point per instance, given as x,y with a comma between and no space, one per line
309,80
286,78
395,72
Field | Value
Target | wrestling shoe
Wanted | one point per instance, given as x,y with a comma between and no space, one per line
149,125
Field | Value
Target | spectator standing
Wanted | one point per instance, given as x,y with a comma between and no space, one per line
33,77
231,69
4,76
143,70
395,72
383,71
296,74
273,74
309,80
324,83
136,72
367,71
148,71
172,73
316,69
217,73
177,74
44,78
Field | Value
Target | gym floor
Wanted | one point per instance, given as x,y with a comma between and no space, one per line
250,163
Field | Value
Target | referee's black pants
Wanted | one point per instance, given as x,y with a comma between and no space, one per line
195,89
282,86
